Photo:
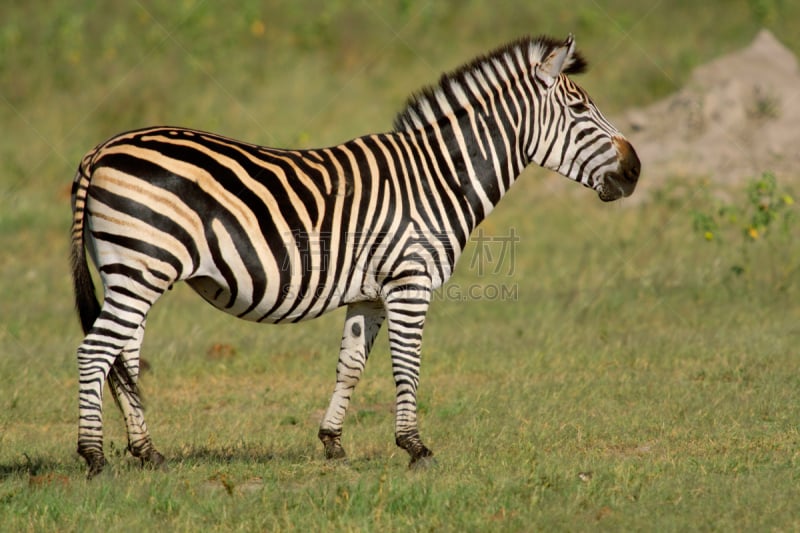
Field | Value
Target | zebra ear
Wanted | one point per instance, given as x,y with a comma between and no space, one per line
556,61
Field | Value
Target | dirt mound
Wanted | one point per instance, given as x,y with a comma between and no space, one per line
738,116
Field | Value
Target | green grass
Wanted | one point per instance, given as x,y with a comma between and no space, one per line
631,350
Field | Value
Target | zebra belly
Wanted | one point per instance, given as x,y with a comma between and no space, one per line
289,308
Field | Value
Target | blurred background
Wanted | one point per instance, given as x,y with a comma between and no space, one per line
647,331
313,73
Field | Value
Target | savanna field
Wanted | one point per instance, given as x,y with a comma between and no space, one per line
627,366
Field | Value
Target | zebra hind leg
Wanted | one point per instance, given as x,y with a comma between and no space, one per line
123,380
116,328
361,326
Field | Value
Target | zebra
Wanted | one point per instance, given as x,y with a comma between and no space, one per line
273,235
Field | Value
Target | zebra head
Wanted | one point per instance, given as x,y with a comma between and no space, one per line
576,140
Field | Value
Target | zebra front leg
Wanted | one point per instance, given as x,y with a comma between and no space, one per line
361,326
406,309
124,383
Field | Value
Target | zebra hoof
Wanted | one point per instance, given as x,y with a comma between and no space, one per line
423,460
333,446
153,460
334,452
96,464
422,463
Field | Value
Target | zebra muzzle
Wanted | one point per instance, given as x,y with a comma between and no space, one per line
621,182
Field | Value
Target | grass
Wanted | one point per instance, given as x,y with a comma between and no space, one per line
632,382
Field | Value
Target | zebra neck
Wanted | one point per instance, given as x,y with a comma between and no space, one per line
479,157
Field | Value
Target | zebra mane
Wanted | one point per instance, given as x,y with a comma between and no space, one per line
422,104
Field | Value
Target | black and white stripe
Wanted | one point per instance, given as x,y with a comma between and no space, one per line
375,224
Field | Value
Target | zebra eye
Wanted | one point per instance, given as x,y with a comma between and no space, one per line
579,107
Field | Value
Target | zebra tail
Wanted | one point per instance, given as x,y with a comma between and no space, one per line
85,297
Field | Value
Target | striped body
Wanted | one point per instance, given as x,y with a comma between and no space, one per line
270,235
273,235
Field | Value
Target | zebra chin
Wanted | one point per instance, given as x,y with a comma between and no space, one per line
622,182
612,187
